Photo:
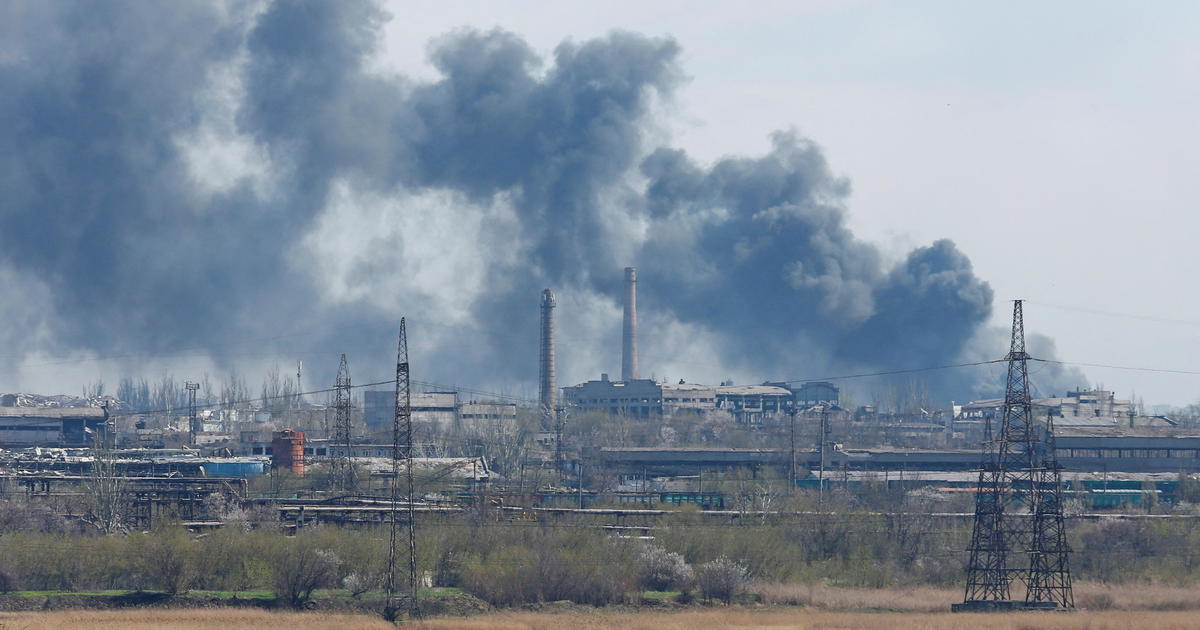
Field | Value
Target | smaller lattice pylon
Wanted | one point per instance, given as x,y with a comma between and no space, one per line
342,464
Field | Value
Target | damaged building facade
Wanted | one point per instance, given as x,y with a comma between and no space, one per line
50,426
647,398
442,409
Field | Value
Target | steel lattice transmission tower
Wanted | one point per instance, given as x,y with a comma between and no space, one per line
402,450
1018,536
343,464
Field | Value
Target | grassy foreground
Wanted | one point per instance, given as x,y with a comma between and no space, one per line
187,619
814,620
798,619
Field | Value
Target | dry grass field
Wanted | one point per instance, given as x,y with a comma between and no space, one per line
1089,596
800,619
1103,607
736,618
187,619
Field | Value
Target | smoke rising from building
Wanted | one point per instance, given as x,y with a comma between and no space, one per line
235,179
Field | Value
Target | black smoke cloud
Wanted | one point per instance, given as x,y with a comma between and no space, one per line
103,223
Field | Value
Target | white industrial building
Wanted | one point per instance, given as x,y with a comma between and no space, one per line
442,409
646,398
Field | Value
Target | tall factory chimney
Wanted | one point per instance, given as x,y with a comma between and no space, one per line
547,378
629,367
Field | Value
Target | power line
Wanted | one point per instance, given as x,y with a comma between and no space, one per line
890,372
1148,318
1118,367
479,392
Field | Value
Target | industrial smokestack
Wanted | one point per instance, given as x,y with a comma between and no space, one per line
629,367
548,380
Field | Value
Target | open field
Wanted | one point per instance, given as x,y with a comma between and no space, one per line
800,619
599,619
192,619
783,606
1088,595
794,619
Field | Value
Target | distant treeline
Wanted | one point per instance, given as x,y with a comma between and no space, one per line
168,395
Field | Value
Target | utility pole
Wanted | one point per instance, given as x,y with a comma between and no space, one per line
824,431
299,388
342,465
193,424
560,422
402,449
792,466
1018,533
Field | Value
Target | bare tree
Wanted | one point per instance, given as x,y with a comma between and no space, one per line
94,390
234,391
300,569
108,496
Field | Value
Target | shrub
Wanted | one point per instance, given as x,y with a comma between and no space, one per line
448,570
721,579
301,569
662,570
8,581
359,583
167,556
507,577
550,566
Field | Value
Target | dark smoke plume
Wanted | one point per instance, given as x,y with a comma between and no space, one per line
237,179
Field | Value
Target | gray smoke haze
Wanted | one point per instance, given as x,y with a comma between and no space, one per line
235,178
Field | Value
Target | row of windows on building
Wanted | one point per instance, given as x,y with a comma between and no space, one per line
1130,453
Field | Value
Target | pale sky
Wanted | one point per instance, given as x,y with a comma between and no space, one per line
1054,143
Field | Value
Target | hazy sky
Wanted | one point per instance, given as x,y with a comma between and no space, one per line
1055,143
807,187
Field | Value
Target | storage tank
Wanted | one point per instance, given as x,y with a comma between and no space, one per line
287,450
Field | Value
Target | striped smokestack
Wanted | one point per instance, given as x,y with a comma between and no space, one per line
547,379
629,362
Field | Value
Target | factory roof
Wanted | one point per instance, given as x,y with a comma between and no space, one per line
685,386
752,390
1117,422
51,412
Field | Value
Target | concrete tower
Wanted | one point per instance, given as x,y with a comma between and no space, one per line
547,378
629,361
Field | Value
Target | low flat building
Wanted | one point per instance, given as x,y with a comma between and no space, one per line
1097,454
379,408
49,426
640,398
1078,404
475,411
443,409
646,398
816,393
